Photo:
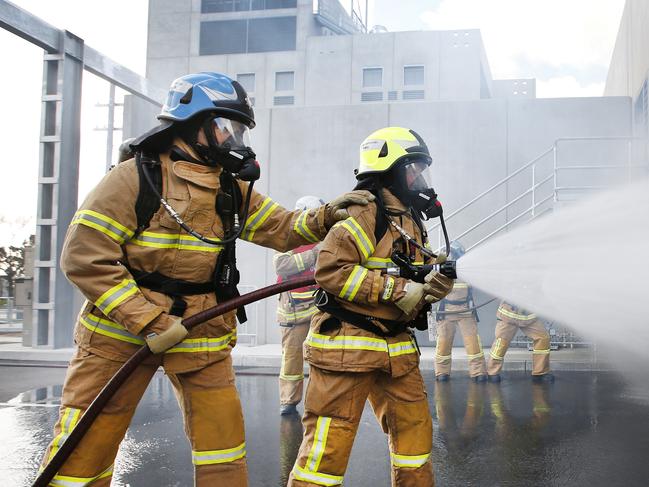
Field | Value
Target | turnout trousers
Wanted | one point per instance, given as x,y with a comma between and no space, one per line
207,397
506,329
333,407
445,335
291,375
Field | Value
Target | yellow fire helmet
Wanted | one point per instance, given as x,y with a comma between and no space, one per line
386,148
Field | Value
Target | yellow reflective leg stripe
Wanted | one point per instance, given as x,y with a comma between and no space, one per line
443,358
299,262
353,283
341,342
364,244
212,457
110,329
255,220
401,348
495,350
115,295
203,344
104,224
408,461
319,444
475,355
541,352
303,229
175,241
69,420
317,478
67,481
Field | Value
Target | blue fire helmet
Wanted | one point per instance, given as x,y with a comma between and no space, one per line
193,94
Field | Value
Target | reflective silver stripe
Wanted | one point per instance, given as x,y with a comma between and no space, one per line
299,262
364,244
516,316
203,344
104,224
346,342
475,355
258,218
401,348
175,241
110,328
69,420
319,444
219,456
302,228
409,461
298,314
115,295
67,481
443,357
377,262
541,352
353,283
316,477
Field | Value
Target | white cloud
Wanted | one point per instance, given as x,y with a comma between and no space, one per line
527,35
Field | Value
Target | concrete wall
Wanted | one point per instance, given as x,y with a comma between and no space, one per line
630,61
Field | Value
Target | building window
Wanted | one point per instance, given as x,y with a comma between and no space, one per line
247,35
372,77
247,80
284,81
413,75
215,6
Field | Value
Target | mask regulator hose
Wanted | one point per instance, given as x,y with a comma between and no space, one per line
146,161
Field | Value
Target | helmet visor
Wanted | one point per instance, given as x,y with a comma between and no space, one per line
416,176
231,134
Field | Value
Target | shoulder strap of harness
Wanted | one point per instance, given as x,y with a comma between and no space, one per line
147,202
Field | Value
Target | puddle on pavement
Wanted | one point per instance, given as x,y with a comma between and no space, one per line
586,429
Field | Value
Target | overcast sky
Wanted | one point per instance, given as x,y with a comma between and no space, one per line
565,44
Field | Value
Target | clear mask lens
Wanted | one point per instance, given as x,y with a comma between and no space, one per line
416,176
231,132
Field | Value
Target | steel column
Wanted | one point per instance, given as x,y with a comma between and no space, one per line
58,174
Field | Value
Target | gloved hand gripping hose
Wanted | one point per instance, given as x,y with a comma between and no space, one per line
98,404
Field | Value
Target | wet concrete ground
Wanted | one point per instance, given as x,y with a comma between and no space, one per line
586,429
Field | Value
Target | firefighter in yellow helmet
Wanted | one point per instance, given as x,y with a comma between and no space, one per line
458,300
509,319
142,266
294,312
360,345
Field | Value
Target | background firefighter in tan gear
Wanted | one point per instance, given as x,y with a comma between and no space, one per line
294,313
459,299
139,279
509,319
360,346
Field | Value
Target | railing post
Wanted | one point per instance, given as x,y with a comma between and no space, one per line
629,156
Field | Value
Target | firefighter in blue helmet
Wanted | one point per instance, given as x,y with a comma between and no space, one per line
164,252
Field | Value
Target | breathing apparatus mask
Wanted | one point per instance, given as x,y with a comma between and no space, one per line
228,145
409,182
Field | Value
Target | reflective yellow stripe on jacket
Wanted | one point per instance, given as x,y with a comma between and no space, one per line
353,283
174,241
363,242
303,229
111,329
257,219
297,315
116,295
104,224
341,342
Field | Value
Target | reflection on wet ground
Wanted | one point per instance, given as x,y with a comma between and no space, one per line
583,430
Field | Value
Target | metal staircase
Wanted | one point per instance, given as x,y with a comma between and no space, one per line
569,170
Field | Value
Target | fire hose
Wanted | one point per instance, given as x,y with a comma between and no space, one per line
113,385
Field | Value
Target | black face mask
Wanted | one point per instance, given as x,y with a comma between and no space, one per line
426,202
415,192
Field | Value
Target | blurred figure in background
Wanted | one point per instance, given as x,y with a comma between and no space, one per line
509,319
294,312
460,299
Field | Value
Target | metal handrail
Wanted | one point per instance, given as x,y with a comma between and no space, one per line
498,184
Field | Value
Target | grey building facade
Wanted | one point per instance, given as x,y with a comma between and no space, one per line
321,84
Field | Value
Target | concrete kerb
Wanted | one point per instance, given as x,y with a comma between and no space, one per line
269,356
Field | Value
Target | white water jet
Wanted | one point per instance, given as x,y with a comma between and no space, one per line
585,266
